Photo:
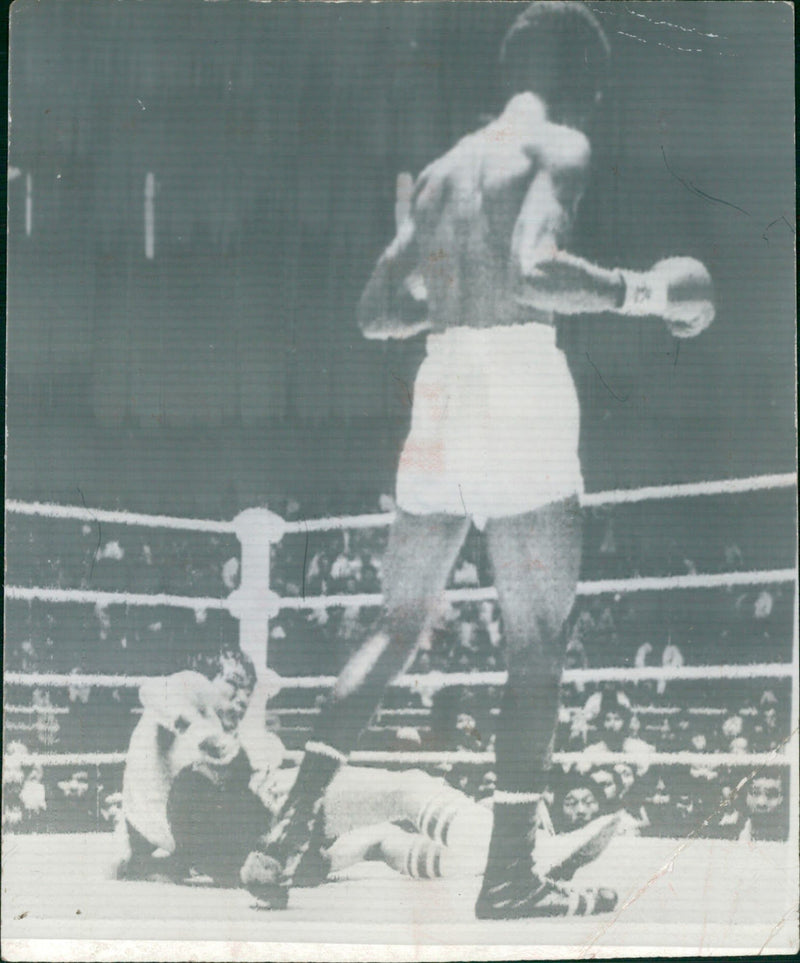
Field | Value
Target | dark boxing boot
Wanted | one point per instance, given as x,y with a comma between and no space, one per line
512,886
285,852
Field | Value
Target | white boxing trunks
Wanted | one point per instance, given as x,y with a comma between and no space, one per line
495,425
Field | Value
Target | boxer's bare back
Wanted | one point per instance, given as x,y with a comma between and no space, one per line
482,244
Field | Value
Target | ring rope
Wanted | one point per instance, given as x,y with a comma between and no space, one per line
726,486
599,587
440,680
104,599
412,712
433,681
51,510
364,600
338,523
753,760
37,710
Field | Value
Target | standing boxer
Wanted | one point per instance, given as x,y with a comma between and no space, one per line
480,264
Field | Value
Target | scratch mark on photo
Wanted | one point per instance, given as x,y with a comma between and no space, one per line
696,190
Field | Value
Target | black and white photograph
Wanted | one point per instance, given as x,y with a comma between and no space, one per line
401,493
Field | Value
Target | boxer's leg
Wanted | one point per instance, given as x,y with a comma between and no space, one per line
417,562
448,822
420,554
536,559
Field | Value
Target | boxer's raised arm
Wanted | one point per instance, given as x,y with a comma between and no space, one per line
171,700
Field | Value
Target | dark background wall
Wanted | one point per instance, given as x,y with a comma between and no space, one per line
227,371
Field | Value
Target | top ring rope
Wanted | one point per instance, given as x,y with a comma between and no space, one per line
75,512
749,761
432,681
728,486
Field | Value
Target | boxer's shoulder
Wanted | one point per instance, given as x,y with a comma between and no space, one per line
452,164
563,151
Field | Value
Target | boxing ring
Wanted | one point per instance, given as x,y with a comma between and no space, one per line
701,892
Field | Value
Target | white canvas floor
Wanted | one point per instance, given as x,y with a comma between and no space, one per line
680,896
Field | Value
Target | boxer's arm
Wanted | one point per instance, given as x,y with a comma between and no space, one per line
394,303
169,698
548,278
157,699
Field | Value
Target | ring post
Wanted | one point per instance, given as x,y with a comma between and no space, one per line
254,603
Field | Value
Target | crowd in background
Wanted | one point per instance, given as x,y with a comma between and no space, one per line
735,625
636,630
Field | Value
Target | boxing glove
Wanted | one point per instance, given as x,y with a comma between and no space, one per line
678,290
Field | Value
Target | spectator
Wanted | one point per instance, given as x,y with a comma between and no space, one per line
24,796
615,715
487,786
732,727
583,629
609,788
764,603
632,793
607,638
407,739
346,571
766,734
671,658
688,808
733,733
658,803
608,544
576,803
698,742
74,807
111,809
576,658
764,799
730,819
734,560
230,573
46,725
78,692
